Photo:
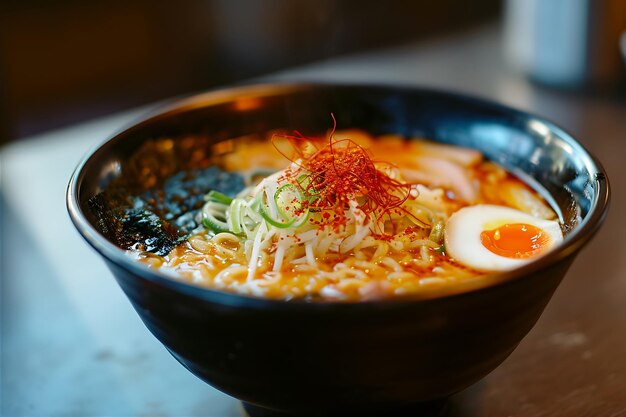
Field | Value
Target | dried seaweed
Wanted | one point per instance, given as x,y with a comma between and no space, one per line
154,203
182,195
146,231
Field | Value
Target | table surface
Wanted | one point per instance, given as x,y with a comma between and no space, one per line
71,344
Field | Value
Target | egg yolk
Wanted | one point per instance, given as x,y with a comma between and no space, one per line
518,240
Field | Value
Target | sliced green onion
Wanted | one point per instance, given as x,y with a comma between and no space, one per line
218,197
214,225
301,219
305,183
263,210
214,216
436,233
288,196
252,209
276,223
235,215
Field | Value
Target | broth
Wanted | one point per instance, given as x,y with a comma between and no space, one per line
349,216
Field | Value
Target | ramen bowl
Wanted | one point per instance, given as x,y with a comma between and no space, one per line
325,358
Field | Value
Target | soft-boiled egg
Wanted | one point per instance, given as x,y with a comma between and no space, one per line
497,238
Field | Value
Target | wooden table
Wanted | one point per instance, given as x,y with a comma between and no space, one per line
71,344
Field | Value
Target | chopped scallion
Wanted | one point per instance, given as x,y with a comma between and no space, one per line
218,197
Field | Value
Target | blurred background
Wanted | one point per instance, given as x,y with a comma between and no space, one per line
66,61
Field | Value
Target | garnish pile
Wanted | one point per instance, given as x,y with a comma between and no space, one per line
327,201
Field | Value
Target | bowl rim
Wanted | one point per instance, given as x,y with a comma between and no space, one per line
572,243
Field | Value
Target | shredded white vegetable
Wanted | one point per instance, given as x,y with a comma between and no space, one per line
270,217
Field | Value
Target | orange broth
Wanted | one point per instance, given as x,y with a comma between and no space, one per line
366,273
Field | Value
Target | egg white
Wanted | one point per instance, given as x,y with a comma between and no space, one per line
463,229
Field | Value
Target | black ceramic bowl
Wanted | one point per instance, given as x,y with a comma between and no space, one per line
378,356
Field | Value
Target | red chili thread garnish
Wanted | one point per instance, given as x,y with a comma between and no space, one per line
332,175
